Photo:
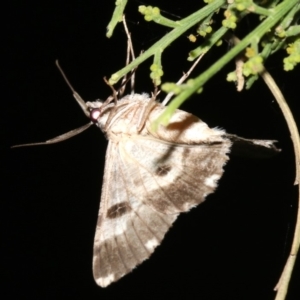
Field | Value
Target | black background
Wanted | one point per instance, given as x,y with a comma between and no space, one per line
233,246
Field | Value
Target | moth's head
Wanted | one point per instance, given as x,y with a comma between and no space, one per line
112,111
95,110
98,112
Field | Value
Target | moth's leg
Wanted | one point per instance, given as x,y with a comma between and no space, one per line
145,113
59,138
129,58
182,79
108,100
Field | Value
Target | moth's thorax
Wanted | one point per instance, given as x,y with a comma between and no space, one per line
131,116
123,118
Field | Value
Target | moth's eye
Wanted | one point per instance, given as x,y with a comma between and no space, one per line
95,114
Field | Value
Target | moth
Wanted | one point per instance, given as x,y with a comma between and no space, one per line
150,176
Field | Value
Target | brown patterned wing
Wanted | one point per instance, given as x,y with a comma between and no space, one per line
128,230
147,183
172,178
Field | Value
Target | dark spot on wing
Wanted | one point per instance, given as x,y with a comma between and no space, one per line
163,170
118,210
186,151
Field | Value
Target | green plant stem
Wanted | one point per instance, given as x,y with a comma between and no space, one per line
259,10
278,12
208,44
116,17
165,41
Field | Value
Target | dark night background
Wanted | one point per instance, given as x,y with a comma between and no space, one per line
233,246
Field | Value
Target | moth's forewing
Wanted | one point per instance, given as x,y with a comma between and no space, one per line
150,177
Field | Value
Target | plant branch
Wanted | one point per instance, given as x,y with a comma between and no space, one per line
283,283
278,13
183,25
116,17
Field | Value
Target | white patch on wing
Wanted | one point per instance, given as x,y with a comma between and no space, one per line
120,227
187,206
151,244
211,181
114,227
105,281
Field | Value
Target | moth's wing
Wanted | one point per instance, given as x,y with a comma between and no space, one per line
147,183
251,147
172,178
127,230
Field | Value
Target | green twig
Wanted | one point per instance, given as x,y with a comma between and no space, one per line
117,16
165,41
153,14
213,39
278,12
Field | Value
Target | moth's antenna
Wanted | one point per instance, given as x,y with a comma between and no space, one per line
75,94
59,138
71,133
65,77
